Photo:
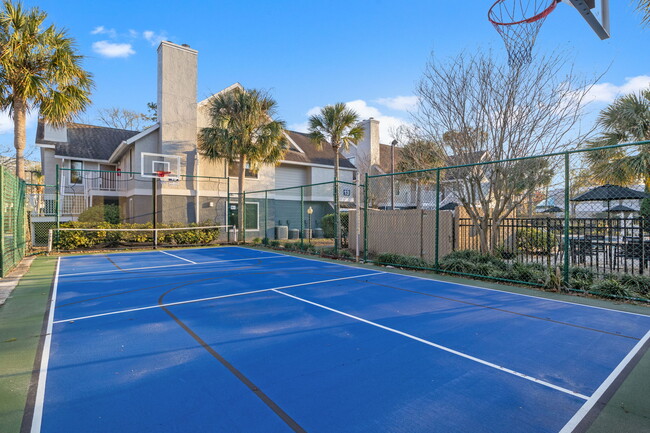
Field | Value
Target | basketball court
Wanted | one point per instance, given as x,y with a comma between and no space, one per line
237,339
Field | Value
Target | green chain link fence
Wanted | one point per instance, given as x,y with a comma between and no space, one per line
12,220
542,220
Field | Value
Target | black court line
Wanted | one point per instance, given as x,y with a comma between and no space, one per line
238,374
546,319
28,414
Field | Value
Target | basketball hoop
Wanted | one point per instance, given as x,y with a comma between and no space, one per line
161,174
518,22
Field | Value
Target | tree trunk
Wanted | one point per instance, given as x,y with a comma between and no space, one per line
20,111
337,208
241,206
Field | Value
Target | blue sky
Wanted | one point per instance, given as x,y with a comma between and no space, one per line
309,53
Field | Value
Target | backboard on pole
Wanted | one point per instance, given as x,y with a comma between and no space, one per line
595,13
161,166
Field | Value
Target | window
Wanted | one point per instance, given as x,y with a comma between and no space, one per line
76,168
252,215
233,170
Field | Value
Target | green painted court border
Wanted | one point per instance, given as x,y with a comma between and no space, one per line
627,411
21,323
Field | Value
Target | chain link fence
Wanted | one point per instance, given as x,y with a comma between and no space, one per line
12,220
305,215
93,199
545,220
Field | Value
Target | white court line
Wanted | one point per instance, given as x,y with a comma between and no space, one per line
178,257
586,408
461,284
191,301
446,349
170,266
45,358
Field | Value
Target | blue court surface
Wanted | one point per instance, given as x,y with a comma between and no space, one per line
232,339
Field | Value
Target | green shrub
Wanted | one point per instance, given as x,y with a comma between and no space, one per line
584,274
401,260
535,240
345,254
109,213
72,240
637,284
274,244
328,224
257,241
580,284
610,287
528,273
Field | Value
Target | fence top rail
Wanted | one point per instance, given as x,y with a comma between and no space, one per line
40,184
136,172
521,158
299,186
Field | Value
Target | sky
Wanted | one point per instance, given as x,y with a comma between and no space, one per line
310,53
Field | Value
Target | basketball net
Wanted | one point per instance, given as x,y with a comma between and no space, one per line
518,22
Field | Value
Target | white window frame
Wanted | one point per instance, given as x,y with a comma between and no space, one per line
79,170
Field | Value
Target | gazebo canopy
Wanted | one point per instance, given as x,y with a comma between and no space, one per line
553,209
611,192
622,208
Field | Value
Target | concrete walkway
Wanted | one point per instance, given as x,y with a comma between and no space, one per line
8,283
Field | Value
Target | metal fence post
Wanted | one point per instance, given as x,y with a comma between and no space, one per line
228,208
57,204
567,185
302,215
365,220
3,264
337,219
243,229
437,241
265,239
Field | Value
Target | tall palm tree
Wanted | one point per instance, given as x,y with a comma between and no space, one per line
644,8
627,119
39,69
339,126
242,130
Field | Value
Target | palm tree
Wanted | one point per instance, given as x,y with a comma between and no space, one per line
339,126
39,69
627,119
644,8
242,130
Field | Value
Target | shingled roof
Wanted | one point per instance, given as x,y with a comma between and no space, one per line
323,156
87,141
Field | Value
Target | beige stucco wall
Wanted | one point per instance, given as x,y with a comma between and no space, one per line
407,232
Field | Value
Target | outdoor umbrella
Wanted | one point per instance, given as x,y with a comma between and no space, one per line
611,192
622,208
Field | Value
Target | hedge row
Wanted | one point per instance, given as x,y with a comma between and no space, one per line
74,240
473,263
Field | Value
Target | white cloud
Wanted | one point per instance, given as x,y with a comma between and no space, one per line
133,33
386,123
101,30
607,92
401,103
110,49
154,38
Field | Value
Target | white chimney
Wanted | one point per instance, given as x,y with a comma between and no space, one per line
368,147
51,133
177,90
